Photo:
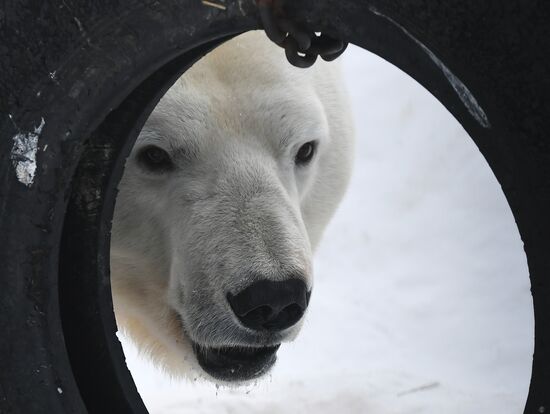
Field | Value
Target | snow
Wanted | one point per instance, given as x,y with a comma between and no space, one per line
421,301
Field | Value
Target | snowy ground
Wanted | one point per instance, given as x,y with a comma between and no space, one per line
421,301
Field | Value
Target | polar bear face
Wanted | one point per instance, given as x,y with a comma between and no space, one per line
224,197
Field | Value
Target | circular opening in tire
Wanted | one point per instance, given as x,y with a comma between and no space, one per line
408,278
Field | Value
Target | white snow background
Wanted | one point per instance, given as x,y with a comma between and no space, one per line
421,301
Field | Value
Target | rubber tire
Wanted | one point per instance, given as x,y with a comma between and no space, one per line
93,71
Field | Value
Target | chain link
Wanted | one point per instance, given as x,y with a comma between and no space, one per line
302,47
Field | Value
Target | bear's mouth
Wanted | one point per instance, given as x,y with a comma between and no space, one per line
230,363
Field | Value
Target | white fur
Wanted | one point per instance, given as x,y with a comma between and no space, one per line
236,208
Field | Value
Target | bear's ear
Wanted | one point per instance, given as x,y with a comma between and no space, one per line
154,159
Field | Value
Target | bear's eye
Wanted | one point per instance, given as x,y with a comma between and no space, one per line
154,159
305,153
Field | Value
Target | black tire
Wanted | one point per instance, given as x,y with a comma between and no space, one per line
93,71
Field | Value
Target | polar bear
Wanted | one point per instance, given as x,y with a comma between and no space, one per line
223,200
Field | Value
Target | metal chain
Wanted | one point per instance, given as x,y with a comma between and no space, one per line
302,47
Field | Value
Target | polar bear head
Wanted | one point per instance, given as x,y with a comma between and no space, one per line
223,199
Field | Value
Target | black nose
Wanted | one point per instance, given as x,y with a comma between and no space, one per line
271,306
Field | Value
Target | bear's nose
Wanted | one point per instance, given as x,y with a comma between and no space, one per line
269,305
